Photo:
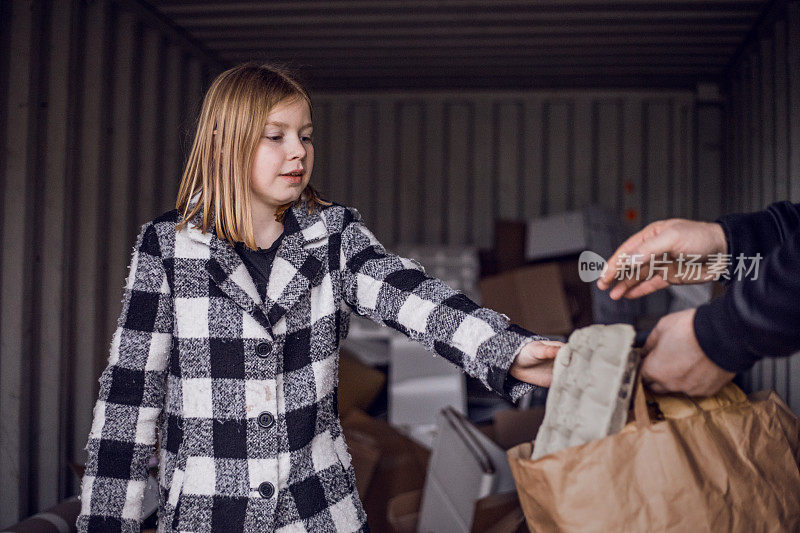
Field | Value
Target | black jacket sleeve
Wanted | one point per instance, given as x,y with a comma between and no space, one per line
756,317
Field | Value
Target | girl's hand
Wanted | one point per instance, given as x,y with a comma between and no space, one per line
534,364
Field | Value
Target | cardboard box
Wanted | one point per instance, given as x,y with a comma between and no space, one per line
359,384
400,467
499,513
561,238
533,297
467,465
403,512
364,456
514,426
572,232
496,513
53,520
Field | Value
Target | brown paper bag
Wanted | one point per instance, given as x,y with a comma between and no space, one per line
734,468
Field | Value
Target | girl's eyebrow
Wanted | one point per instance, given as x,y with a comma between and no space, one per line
284,125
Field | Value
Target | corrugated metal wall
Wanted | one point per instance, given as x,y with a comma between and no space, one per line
763,134
97,116
96,99
440,167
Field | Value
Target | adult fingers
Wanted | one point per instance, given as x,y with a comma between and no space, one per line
651,342
653,239
652,382
657,387
644,288
630,279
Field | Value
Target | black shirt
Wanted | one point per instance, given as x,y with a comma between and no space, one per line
259,263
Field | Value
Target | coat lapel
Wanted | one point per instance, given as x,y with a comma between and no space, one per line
293,269
295,266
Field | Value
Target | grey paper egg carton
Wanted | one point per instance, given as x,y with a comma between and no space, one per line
593,378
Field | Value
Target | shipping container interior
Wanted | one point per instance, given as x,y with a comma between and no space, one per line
434,119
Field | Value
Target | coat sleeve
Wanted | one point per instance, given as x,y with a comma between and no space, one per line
395,291
756,317
131,398
760,232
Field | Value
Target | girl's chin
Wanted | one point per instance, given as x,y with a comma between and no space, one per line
275,202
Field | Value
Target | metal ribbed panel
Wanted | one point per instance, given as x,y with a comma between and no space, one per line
87,159
764,159
99,100
438,168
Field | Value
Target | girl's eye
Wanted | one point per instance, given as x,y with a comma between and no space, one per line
274,137
307,139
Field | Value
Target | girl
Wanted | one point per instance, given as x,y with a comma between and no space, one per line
234,308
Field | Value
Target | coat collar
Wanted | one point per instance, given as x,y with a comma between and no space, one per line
293,269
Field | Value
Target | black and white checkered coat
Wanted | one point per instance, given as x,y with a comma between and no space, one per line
242,392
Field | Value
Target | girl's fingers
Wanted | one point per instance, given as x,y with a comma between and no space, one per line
541,374
553,343
546,349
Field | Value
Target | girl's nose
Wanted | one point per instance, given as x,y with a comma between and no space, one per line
297,150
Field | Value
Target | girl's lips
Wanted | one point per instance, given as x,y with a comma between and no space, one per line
292,179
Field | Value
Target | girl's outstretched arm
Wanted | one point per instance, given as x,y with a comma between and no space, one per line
131,398
395,291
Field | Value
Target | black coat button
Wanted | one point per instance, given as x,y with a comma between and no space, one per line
262,349
265,420
266,490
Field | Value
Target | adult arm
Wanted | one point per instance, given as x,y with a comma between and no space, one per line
756,317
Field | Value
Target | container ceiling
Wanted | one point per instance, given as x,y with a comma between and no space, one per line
359,44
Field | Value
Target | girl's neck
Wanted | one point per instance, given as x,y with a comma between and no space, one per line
265,228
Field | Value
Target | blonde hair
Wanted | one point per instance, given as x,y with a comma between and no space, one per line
231,122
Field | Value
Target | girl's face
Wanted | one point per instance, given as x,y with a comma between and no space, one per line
284,156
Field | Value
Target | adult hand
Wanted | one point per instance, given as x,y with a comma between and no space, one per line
674,361
534,363
677,238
